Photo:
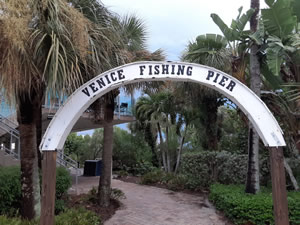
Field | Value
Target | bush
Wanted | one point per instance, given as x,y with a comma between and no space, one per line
152,177
207,167
244,208
63,182
171,181
10,190
77,217
69,217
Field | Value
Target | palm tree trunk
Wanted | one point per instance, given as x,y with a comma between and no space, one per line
252,182
180,149
210,122
105,178
39,135
161,142
30,200
167,150
291,175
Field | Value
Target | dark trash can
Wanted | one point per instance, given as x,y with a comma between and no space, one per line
92,168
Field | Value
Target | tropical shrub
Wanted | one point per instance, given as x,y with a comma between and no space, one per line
169,180
152,177
243,208
203,168
77,217
10,189
131,153
69,217
63,182
206,167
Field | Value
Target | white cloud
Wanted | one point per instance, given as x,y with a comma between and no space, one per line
173,23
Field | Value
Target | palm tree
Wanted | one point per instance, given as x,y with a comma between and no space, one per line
133,37
252,181
159,110
210,50
45,45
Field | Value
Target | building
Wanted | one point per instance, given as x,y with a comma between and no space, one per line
9,134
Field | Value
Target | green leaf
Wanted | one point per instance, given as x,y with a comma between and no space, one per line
274,81
228,33
296,9
278,19
274,60
240,12
269,2
241,23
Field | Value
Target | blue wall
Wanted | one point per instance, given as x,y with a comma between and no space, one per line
5,109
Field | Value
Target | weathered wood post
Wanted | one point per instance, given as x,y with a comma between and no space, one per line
48,187
279,193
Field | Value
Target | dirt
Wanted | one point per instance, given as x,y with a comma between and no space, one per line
84,200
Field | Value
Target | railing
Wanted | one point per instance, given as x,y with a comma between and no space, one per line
69,163
10,152
9,126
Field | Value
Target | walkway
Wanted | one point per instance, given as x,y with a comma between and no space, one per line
146,205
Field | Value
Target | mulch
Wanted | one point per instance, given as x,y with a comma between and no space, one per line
83,200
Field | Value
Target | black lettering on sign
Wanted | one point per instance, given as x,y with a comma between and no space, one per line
121,75
142,70
150,70
156,68
112,76
165,69
215,80
101,82
189,71
231,85
173,70
86,91
92,86
180,70
108,81
222,82
210,74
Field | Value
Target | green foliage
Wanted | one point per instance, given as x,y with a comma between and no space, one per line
87,147
169,180
117,194
278,19
69,217
131,153
234,132
152,177
63,183
206,167
10,190
15,221
77,217
235,31
243,208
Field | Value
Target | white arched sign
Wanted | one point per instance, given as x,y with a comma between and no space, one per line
257,112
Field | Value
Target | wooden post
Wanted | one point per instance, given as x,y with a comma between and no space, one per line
279,193
48,187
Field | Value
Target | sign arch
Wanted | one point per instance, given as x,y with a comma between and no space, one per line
253,107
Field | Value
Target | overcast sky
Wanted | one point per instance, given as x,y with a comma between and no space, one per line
171,24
